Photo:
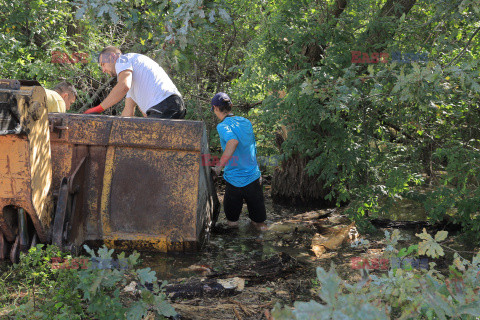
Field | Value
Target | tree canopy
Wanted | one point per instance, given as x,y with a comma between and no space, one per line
375,96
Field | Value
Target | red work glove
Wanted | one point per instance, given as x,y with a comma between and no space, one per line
97,109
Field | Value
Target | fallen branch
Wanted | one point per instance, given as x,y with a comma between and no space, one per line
237,314
445,224
96,95
268,315
196,288
265,305
244,309
274,267
312,216
201,98
248,106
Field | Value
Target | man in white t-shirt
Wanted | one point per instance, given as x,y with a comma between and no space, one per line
143,82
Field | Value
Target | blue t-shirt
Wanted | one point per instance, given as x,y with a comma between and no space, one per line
242,169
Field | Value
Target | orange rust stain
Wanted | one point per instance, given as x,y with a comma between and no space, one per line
138,241
15,175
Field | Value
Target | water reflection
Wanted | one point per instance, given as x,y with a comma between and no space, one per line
228,249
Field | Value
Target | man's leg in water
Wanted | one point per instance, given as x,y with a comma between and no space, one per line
253,195
232,204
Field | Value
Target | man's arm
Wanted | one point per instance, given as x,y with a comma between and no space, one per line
124,82
129,110
227,155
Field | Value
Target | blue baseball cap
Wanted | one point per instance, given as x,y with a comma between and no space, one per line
220,99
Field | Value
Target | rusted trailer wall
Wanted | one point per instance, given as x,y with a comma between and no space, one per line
25,167
144,183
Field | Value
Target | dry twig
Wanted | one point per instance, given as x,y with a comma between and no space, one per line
237,314
244,309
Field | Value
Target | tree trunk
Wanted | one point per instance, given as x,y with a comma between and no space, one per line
396,8
393,9
292,185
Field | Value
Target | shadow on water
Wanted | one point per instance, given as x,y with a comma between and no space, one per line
229,248
410,207
404,210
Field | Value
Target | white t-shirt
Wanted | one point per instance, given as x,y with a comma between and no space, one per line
150,83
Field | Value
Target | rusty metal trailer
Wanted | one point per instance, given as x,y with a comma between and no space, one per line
25,167
129,182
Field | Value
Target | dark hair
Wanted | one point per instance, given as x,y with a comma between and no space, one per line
67,87
222,101
225,106
109,49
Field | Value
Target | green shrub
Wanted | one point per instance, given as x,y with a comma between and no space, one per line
398,294
56,292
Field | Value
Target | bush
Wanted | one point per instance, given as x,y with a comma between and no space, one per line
398,294
70,290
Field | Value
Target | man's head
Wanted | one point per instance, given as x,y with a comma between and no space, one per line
107,58
68,93
221,104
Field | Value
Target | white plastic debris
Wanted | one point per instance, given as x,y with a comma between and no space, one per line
233,283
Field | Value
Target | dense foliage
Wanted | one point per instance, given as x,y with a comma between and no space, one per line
380,96
40,287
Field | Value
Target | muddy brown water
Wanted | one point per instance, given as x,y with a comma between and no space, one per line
227,247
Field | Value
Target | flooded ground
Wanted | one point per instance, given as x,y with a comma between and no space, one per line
291,231
232,251
261,269
227,246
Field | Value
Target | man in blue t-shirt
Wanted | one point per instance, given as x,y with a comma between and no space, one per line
239,159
